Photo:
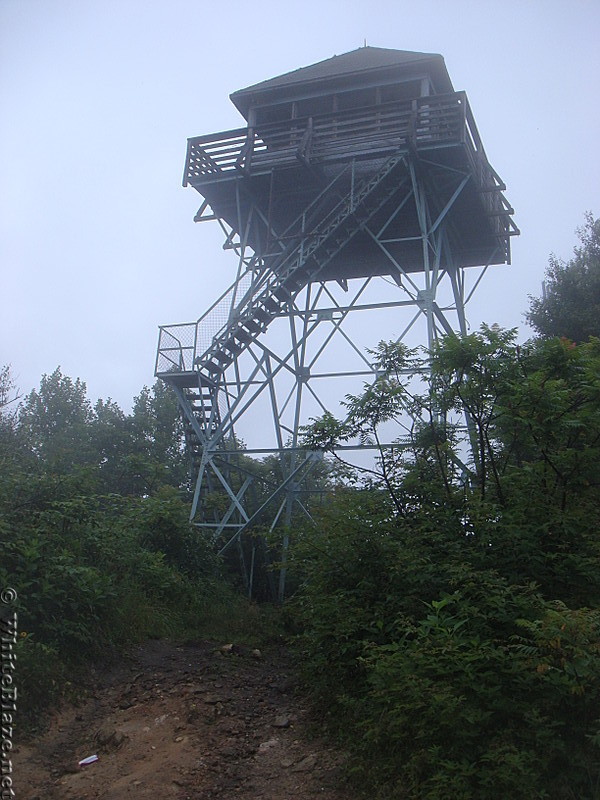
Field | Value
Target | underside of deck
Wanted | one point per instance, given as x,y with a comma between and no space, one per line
265,183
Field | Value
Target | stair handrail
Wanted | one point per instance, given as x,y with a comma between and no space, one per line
275,279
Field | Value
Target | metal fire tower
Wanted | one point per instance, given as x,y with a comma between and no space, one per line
359,184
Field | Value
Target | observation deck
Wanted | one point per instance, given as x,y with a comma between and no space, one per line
438,132
363,165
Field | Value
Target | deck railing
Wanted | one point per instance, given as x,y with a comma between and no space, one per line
425,123
378,131
433,121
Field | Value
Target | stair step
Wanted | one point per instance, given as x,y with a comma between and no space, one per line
253,326
297,265
232,346
282,293
202,409
271,305
242,335
200,413
224,358
262,314
212,366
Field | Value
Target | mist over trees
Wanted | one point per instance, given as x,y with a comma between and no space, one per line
95,535
449,607
444,602
570,304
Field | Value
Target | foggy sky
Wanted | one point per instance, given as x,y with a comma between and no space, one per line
98,97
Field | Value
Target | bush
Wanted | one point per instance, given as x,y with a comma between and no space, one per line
445,677
95,536
486,714
43,680
95,574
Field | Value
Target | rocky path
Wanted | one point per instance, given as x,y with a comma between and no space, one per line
188,723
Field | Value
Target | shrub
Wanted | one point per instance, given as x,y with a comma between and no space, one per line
446,678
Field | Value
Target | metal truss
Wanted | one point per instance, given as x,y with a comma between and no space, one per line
284,342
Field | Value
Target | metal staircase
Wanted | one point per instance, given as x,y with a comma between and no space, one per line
287,273
299,264
205,410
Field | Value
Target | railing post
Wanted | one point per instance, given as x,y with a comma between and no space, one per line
411,131
158,349
250,151
195,350
244,160
303,235
186,171
306,143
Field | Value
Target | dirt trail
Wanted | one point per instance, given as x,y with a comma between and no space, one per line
188,723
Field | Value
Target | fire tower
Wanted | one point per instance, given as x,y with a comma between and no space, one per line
360,205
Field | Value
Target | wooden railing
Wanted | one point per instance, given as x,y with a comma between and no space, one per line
426,122
437,121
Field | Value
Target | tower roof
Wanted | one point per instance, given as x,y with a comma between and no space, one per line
342,68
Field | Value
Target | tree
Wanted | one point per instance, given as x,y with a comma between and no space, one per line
111,435
99,448
157,452
8,396
15,457
570,305
55,419
8,393
94,535
448,616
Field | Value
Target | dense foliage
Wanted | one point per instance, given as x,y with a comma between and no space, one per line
449,607
447,598
94,534
570,305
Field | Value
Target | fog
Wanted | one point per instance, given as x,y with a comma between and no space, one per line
97,238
